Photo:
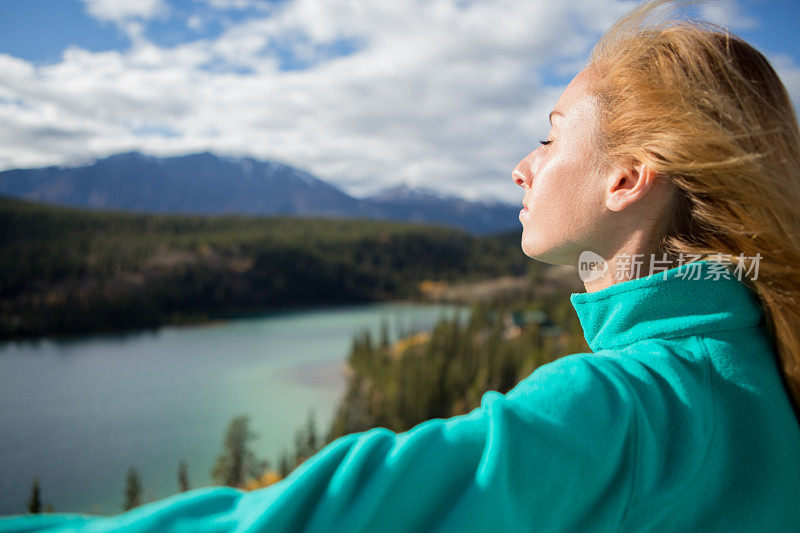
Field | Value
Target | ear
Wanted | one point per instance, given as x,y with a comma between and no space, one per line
627,185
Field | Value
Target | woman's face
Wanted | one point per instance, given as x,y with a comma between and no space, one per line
563,182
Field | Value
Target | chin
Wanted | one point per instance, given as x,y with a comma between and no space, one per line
551,255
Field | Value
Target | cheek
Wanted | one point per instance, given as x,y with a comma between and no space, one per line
559,192
565,201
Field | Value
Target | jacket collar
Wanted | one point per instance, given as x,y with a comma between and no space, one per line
682,301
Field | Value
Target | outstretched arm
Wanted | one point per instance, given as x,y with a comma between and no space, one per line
554,453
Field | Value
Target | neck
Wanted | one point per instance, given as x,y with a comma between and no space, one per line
637,257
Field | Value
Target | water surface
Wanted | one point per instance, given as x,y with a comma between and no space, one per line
77,413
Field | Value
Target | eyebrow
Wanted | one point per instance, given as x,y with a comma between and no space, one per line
554,112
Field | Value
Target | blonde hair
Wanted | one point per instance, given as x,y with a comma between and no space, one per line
707,111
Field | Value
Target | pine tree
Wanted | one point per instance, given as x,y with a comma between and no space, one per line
237,463
35,502
133,490
183,476
283,465
306,439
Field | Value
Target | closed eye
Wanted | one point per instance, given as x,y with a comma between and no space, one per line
544,143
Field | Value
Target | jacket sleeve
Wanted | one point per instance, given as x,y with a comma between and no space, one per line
555,453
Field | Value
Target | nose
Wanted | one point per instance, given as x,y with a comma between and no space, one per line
521,174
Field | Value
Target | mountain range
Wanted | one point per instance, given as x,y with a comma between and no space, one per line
206,183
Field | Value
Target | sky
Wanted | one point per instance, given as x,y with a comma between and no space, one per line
365,94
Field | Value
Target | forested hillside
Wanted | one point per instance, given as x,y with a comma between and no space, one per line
65,270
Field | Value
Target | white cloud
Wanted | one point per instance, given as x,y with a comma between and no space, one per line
728,14
195,22
233,4
124,10
442,93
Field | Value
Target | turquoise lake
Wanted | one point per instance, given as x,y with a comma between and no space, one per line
77,413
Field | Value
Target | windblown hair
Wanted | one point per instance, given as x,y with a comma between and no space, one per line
707,111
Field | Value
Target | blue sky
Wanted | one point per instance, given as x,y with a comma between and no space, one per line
447,94
40,30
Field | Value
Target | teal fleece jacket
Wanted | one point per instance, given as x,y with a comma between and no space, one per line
678,421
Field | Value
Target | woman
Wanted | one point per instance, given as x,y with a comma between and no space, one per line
675,142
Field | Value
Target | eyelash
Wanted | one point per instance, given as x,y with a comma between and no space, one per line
544,143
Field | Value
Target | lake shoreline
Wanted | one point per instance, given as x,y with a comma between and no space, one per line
431,292
196,321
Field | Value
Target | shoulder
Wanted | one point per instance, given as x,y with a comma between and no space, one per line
576,379
646,368
650,386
